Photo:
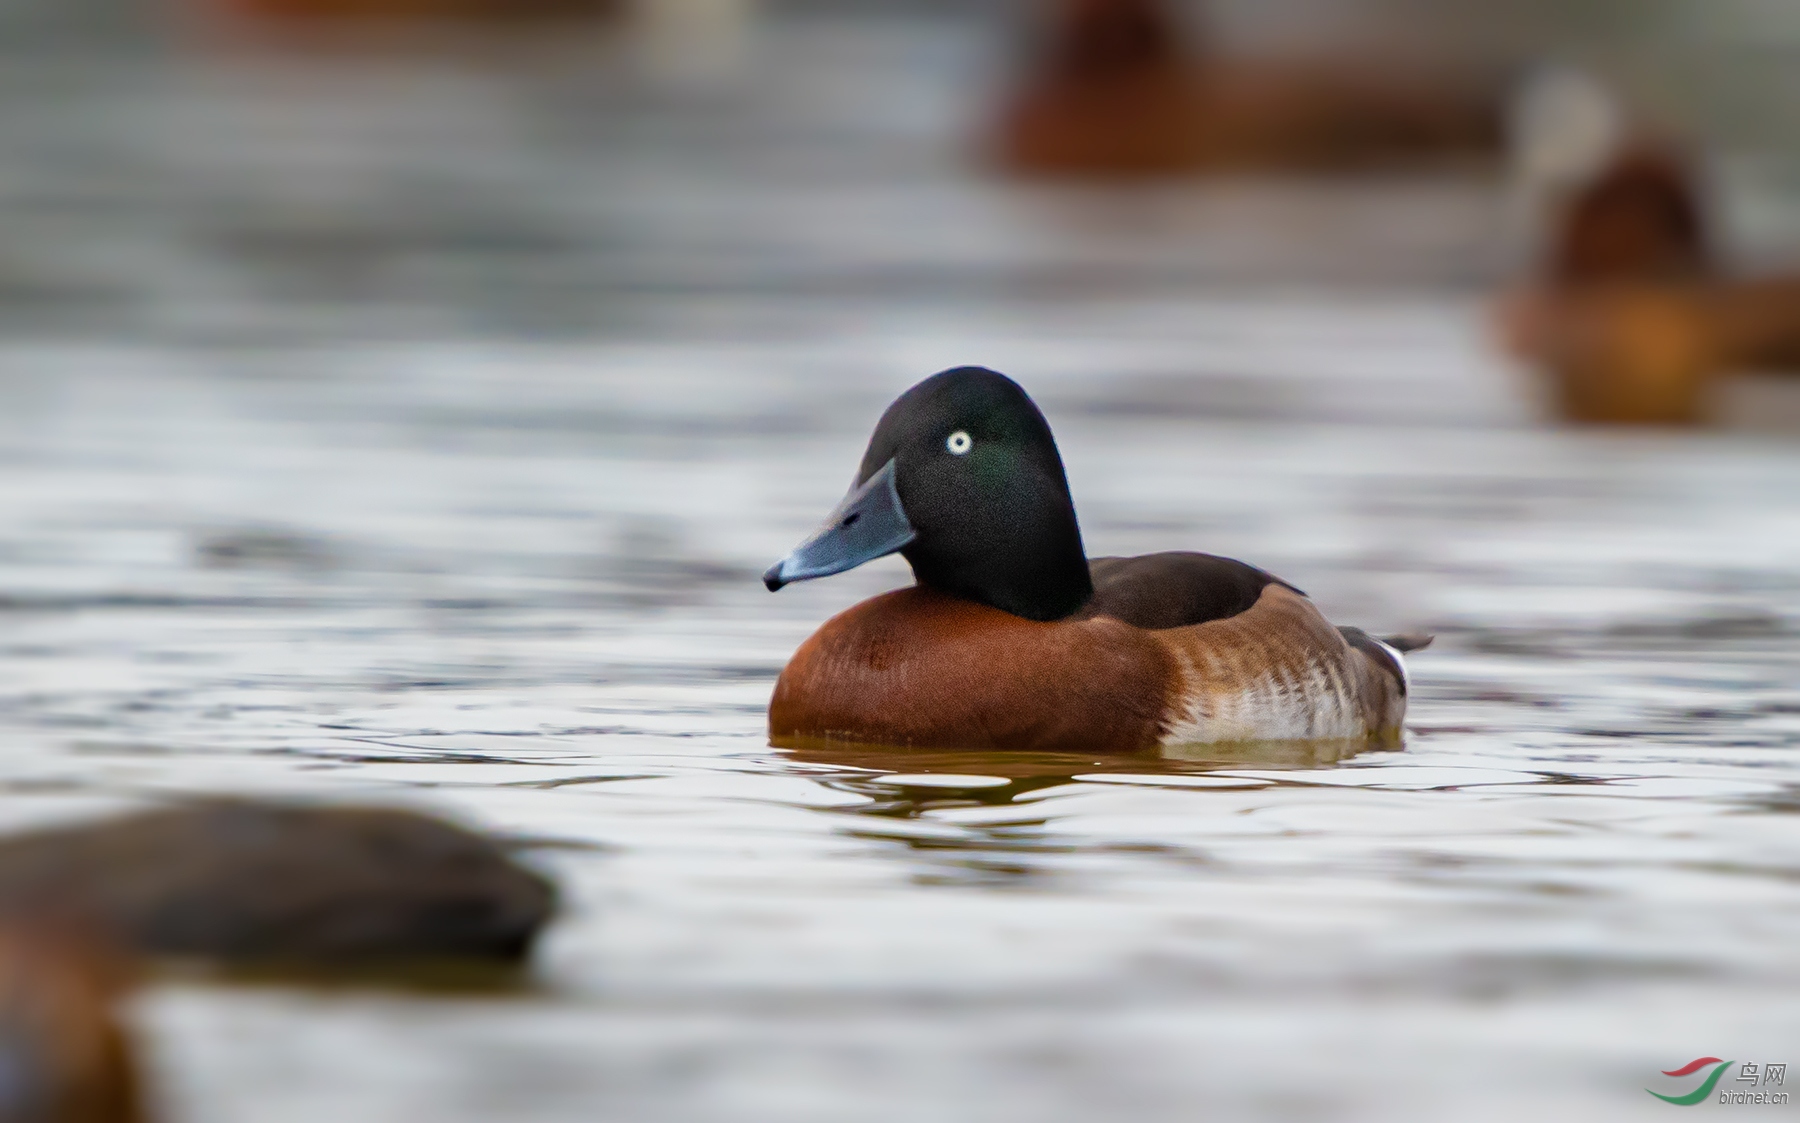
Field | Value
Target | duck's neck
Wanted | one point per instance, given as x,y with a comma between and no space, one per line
1040,575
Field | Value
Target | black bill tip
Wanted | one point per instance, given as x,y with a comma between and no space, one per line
870,523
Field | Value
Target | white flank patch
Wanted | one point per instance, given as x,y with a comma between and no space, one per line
1314,708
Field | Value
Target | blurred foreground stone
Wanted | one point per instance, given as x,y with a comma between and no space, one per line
252,883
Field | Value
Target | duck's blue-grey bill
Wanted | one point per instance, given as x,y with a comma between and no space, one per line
870,523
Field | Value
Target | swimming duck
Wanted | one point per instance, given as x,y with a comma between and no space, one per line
1013,638
1632,317
1119,90
1616,318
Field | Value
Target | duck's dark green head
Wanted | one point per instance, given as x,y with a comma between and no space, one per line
963,479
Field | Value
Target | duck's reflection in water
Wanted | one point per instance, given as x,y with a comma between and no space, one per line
981,812
1038,768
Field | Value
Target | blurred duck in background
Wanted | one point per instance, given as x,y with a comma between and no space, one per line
1630,312
64,1058
687,43
1120,88
350,16
1639,220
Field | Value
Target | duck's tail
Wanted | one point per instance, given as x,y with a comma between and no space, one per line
1409,641
1387,653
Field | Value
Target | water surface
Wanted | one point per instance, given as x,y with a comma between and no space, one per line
288,508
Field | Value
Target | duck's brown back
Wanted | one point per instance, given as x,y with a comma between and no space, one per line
1174,589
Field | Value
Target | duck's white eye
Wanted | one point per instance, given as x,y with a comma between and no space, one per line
959,443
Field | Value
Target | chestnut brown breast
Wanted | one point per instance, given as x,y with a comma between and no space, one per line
916,667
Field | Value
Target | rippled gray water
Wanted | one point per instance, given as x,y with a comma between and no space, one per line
446,479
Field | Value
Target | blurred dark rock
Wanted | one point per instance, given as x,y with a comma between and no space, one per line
252,883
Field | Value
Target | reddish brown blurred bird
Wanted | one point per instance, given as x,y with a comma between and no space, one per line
349,14
63,1056
1640,220
1631,315
1119,89
1614,318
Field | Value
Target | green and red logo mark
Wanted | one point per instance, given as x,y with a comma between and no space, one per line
1748,1073
1706,1086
